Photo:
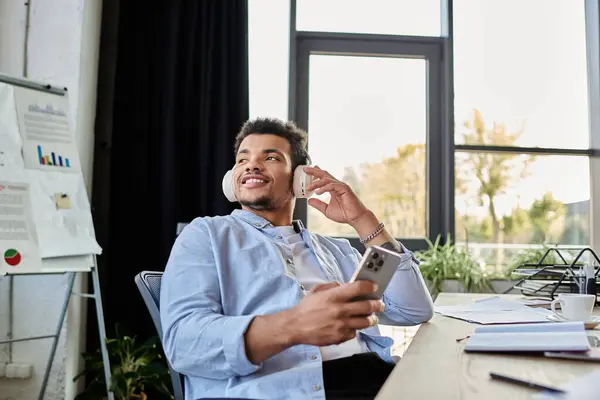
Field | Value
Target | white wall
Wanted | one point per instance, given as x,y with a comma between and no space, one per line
62,49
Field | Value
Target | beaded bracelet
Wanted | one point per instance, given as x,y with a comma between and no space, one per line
375,233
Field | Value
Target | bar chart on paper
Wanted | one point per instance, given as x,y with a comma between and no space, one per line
52,158
48,143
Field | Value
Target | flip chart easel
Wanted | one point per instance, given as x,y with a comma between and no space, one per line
59,256
55,336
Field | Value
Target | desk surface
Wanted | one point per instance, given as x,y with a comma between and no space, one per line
436,367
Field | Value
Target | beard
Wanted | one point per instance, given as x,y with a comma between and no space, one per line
261,204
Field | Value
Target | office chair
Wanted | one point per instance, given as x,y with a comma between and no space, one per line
148,283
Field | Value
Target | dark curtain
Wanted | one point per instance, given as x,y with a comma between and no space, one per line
173,92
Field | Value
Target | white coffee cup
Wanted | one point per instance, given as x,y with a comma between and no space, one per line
574,306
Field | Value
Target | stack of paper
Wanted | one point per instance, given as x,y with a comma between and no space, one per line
495,310
568,336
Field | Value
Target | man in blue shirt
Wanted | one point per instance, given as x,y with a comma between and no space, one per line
253,305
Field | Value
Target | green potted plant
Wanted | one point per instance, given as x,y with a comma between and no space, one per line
440,263
134,368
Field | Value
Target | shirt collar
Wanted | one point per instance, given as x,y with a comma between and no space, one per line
258,222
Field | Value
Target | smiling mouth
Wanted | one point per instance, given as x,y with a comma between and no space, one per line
253,182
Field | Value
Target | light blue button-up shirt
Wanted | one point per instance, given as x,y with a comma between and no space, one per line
225,270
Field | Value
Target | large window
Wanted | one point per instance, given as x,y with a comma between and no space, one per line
485,137
522,64
365,130
521,112
371,107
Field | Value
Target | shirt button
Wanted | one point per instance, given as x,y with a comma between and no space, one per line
317,387
279,237
289,260
302,287
313,357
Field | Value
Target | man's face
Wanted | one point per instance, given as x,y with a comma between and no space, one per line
263,172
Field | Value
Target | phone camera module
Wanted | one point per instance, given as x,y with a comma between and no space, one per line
375,256
379,263
370,265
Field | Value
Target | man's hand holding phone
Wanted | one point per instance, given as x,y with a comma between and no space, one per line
327,315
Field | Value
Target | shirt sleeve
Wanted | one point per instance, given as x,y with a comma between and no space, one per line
407,299
198,339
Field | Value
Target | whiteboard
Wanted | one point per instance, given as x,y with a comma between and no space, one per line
38,149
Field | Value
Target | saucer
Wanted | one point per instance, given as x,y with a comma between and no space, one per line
589,324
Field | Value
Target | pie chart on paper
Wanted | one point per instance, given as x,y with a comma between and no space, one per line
12,257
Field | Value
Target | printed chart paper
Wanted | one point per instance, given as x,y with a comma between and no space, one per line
10,139
48,143
18,240
61,212
62,215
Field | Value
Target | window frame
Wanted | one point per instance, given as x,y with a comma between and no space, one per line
592,31
441,147
592,28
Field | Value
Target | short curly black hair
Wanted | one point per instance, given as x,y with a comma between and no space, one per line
297,138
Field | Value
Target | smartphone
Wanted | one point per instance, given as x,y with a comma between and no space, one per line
377,265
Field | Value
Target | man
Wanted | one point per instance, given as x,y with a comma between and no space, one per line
253,305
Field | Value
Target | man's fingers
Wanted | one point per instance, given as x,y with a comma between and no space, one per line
323,286
336,187
362,307
325,173
318,172
353,289
318,204
362,322
319,183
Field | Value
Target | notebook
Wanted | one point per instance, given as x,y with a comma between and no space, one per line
593,354
564,336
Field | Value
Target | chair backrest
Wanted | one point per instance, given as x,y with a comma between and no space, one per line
148,283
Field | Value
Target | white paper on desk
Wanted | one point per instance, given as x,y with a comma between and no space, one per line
495,310
537,302
584,388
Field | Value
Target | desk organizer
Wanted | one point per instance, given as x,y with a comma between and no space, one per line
547,280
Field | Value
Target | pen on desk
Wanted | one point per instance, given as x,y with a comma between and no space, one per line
533,385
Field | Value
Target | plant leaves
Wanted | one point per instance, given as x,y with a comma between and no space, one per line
439,263
133,367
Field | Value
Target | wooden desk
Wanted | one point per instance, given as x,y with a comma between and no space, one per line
436,367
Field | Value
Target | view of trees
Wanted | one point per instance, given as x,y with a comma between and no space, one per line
395,189
494,172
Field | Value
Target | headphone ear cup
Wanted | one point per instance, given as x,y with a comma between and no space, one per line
301,182
228,186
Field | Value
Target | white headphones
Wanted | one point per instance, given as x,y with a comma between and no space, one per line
300,183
